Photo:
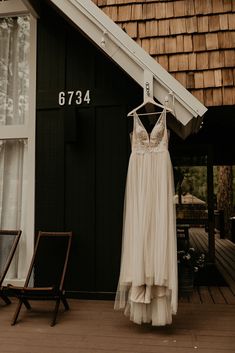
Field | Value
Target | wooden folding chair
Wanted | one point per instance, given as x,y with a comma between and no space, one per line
47,270
9,240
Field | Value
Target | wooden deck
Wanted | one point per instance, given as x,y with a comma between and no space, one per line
224,252
205,322
93,326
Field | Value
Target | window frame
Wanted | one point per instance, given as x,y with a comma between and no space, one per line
27,130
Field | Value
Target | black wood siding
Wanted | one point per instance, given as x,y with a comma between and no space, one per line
82,151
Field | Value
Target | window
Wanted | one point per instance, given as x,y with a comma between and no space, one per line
17,129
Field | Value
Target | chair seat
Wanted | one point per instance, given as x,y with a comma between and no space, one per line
52,248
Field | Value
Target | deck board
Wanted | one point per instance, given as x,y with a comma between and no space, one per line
93,326
224,253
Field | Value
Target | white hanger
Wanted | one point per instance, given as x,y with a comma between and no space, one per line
146,101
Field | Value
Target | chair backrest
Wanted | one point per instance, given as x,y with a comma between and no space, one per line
8,243
50,259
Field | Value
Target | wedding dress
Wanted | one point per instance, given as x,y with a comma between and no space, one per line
147,288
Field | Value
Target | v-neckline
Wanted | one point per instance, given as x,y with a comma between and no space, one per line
156,123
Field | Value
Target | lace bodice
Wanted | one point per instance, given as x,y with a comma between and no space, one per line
157,140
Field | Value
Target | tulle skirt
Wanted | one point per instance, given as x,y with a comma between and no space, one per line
147,288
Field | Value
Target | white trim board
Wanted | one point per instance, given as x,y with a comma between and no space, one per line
12,8
135,61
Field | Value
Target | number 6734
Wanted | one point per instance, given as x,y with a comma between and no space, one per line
74,97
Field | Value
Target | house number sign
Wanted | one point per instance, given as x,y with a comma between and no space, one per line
74,97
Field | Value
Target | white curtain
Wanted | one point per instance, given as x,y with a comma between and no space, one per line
14,83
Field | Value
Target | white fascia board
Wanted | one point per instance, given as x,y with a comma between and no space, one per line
130,56
13,8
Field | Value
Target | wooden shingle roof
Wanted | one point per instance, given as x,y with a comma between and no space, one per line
194,40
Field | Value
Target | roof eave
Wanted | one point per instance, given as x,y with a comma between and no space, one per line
131,57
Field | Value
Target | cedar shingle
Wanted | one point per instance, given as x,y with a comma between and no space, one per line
163,61
212,41
169,9
148,11
234,75
188,43
145,44
151,28
231,21
227,77
192,61
199,95
179,8
154,49
218,78
157,46
203,24
191,24
199,42
189,8
124,13
223,21
229,58
208,97
180,44
217,6
173,62
190,81
232,36
163,27
136,12
170,45
216,59
208,78
228,95
214,23
227,5
142,29
202,61
181,77
217,96
112,12
177,26
203,7
160,10
130,28
160,46
225,40
183,62
198,77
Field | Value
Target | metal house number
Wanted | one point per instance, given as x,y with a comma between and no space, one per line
74,97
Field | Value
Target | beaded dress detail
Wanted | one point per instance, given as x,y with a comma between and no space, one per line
147,288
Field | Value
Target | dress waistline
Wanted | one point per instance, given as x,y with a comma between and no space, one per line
149,151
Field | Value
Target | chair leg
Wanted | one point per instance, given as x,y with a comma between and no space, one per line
64,301
5,299
57,304
19,305
26,304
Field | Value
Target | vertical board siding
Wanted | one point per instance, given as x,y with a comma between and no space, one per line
82,151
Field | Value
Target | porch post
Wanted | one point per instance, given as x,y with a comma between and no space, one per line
210,203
